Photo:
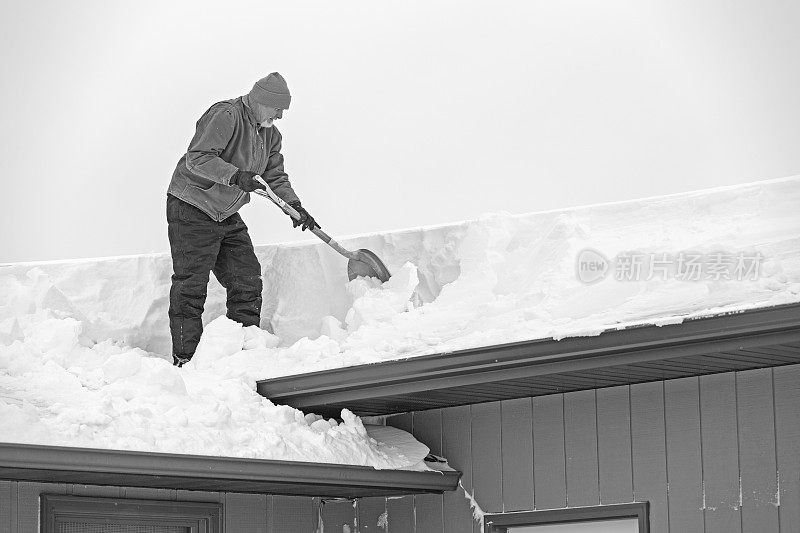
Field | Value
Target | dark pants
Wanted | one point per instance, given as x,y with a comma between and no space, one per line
200,245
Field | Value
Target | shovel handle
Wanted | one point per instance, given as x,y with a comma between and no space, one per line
292,212
277,200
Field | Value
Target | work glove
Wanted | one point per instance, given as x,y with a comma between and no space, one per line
244,180
306,220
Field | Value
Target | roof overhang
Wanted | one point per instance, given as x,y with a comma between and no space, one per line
56,464
738,341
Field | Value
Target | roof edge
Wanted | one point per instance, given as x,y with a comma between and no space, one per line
638,344
61,464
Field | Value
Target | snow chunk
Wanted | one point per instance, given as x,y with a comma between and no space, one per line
53,335
122,365
257,338
375,302
332,328
221,338
10,331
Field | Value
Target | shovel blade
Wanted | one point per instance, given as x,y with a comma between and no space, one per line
367,264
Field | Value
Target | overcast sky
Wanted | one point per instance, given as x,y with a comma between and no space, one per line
403,113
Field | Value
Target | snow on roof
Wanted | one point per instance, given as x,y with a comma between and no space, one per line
83,343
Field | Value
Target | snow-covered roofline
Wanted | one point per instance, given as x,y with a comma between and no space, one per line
738,341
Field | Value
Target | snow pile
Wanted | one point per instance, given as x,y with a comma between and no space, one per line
57,388
80,363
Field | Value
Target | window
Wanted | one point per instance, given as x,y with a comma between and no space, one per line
624,518
80,514
627,525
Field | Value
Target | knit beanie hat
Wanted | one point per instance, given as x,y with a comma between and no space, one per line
271,91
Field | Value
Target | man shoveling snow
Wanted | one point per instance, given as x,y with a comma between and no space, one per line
235,142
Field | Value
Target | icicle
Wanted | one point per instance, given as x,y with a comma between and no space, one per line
477,512
320,525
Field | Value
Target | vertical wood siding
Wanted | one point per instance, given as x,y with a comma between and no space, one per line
614,445
339,515
372,515
683,445
580,444
427,428
517,456
245,512
400,514
684,462
456,444
649,449
720,453
400,511
549,462
757,457
292,514
7,518
487,474
787,433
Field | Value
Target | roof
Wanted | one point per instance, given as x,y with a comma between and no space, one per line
57,464
744,340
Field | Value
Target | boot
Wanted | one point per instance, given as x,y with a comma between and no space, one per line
179,361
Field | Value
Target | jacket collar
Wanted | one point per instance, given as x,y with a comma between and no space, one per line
249,112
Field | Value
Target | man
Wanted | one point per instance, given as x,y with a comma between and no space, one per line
235,141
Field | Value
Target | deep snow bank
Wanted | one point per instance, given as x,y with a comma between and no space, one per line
494,279
76,334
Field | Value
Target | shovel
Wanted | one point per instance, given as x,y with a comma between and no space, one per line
360,263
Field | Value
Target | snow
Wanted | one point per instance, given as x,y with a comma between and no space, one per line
58,389
84,344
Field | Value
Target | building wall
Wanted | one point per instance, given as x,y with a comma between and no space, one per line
243,513
717,453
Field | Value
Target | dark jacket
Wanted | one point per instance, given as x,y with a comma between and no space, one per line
227,139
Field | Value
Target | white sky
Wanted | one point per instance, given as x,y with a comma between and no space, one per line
403,113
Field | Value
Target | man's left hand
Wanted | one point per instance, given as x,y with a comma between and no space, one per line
306,220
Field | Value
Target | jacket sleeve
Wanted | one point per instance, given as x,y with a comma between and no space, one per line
214,131
274,175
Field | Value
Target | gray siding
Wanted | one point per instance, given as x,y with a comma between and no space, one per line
718,453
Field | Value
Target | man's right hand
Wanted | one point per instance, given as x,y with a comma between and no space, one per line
306,220
244,179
